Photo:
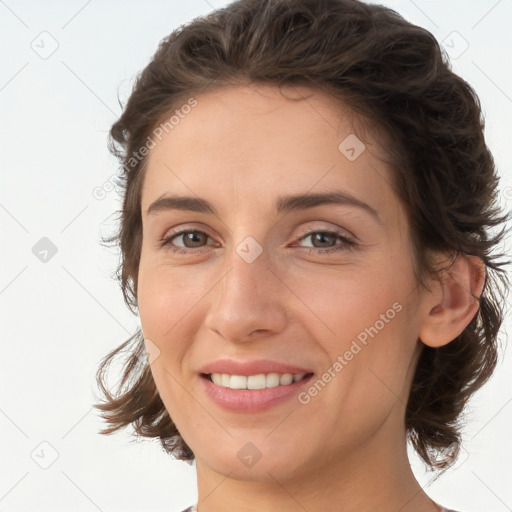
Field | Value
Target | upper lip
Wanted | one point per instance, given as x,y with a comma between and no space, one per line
253,367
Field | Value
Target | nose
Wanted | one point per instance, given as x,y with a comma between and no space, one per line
248,302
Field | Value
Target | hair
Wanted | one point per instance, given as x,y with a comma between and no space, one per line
389,72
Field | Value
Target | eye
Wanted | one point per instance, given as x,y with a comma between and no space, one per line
193,242
320,237
191,239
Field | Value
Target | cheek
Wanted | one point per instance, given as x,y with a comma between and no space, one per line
352,304
163,305
372,341
165,297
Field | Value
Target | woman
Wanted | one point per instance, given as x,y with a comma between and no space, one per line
304,234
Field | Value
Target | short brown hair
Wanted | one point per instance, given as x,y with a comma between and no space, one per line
388,71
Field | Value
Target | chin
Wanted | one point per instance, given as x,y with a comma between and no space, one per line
248,463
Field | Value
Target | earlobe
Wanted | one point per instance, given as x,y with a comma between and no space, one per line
452,305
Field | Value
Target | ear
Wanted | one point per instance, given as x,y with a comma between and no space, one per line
450,306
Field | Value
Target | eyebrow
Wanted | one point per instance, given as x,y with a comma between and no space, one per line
283,204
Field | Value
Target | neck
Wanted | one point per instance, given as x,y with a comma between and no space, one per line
373,476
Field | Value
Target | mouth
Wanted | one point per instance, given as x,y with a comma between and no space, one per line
255,382
248,394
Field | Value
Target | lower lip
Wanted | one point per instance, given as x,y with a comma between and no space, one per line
251,400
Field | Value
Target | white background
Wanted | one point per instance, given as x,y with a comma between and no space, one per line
59,318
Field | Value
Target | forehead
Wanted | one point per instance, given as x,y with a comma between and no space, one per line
251,143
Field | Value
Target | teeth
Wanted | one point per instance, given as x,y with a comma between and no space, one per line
260,381
272,380
256,381
224,379
285,379
238,382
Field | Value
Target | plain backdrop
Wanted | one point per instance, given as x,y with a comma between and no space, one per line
63,65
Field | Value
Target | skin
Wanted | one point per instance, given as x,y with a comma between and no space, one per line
241,148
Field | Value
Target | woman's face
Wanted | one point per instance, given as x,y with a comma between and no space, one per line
322,288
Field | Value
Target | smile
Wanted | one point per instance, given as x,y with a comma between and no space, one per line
236,395
259,381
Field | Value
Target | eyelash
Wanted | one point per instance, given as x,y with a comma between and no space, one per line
348,244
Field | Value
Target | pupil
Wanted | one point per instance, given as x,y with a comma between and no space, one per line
318,235
190,237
